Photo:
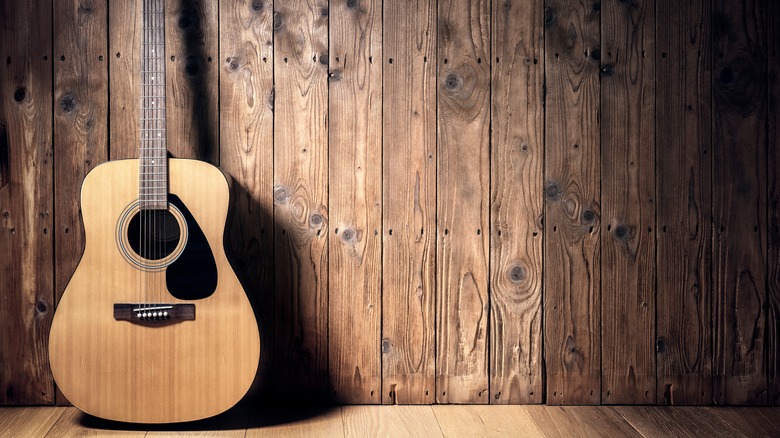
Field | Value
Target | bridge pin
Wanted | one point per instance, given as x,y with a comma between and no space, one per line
154,315
165,314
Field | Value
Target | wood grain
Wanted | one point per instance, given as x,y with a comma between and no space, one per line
516,203
463,183
572,259
409,202
71,424
684,201
301,198
191,46
676,421
355,172
124,48
773,181
246,154
739,202
26,202
580,421
485,421
80,123
128,372
296,422
32,422
628,215
751,421
410,421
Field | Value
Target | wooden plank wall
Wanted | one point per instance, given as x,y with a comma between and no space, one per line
462,201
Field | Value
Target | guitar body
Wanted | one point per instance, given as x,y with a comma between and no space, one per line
162,369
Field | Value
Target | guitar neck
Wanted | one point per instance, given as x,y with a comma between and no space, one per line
153,181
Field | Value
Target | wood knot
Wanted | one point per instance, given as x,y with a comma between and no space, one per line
595,53
41,306
232,63
324,58
348,235
453,82
386,346
278,20
68,103
588,216
20,94
192,66
257,5
552,192
596,7
324,12
549,16
316,220
727,76
352,4
607,70
660,345
335,75
621,232
516,274
188,20
281,195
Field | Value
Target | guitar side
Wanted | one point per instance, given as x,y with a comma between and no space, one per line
125,371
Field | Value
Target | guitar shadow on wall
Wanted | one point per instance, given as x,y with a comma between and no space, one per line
249,242
286,370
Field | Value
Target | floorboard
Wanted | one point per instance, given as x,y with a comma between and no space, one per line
407,421
677,422
28,422
580,421
414,421
485,421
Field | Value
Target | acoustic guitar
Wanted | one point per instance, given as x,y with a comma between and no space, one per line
154,326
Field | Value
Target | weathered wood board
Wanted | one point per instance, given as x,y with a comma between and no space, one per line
246,155
572,217
355,171
516,203
684,201
300,196
463,187
739,202
408,202
26,202
628,206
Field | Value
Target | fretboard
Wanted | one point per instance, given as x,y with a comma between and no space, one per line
153,183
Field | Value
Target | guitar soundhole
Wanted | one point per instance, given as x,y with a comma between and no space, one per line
153,234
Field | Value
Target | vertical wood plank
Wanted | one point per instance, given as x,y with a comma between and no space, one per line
246,154
301,198
124,47
516,202
26,202
80,123
572,260
627,195
192,78
683,203
739,201
355,171
409,202
463,184
773,259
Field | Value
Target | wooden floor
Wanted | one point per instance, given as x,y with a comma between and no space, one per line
423,421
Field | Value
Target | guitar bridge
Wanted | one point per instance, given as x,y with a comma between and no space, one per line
154,314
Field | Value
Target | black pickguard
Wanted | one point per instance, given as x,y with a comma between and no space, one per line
193,276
